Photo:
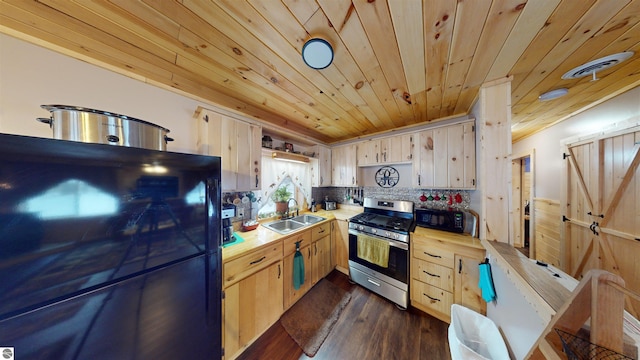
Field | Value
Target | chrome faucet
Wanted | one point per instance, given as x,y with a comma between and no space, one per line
297,210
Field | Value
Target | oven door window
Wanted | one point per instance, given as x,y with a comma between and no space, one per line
398,265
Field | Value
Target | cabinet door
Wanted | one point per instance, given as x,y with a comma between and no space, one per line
466,279
469,139
244,165
423,164
255,170
444,158
321,258
324,166
251,306
461,156
343,160
397,149
341,252
367,152
291,295
337,165
440,157
351,166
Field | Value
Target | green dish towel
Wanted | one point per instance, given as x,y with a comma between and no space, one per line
298,268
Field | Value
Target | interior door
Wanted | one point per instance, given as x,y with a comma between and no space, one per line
602,207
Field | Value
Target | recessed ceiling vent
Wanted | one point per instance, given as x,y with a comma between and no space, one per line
592,67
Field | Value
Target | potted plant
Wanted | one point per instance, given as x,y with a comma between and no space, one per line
280,197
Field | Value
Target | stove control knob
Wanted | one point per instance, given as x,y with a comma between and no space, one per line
360,227
374,231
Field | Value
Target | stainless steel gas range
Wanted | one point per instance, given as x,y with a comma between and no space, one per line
379,248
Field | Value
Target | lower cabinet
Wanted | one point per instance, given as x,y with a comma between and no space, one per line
251,306
258,286
321,252
444,273
315,248
341,245
321,259
291,294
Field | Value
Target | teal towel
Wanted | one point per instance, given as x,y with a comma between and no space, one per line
486,282
298,268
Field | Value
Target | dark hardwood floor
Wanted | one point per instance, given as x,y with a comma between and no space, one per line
370,327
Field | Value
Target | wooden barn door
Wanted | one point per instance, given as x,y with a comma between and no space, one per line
602,207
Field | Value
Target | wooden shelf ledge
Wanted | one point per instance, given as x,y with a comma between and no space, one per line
535,282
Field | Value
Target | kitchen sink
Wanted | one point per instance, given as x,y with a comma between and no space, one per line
284,226
308,219
295,223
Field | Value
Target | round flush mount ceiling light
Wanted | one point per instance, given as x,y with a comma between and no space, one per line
592,67
553,94
317,53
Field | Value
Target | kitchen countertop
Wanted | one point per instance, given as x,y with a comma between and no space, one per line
263,237
449,237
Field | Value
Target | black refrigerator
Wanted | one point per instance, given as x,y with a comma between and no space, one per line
108,252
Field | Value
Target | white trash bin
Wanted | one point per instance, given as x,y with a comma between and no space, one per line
474,336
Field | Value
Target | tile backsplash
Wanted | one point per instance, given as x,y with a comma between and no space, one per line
248,203
423,198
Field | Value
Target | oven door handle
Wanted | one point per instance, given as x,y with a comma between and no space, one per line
397,244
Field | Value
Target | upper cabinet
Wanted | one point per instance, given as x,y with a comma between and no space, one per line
445,157
238,143
343,162
387,150
323,177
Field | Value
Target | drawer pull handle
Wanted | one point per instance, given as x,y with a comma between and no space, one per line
373,282
321,231
432,298
257,261
435,256
430,274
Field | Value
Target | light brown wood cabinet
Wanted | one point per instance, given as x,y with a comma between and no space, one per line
321,248
340,244
445,157
386,150
251,306
323,177
442,274
344,165
291,295
315,247
238,143
258,286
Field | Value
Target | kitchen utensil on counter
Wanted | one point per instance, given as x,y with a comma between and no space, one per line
330,205
102,127
228,212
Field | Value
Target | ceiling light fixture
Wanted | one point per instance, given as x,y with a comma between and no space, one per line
287,156
317,53
592,67
553,94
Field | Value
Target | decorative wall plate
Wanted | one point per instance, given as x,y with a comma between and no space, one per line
387,177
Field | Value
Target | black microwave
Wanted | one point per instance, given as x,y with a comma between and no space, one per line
452,221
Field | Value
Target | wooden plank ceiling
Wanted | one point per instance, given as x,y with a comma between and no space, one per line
398,63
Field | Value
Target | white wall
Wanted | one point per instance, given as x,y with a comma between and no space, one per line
548,152
31,76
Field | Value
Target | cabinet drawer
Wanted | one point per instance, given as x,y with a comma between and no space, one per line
320,231
251,263
427,252
433,274
290,242
431,297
